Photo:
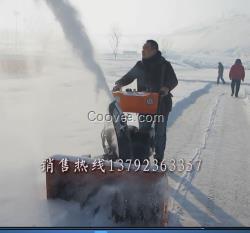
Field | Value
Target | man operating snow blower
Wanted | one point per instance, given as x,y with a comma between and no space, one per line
153,74
122,184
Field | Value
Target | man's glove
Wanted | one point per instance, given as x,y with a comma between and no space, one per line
117,87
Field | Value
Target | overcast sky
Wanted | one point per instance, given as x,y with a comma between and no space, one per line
135,16
132,17
159,16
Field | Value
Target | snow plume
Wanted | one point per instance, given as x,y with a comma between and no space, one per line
75,33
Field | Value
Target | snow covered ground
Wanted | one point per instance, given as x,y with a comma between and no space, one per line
213,127
43,112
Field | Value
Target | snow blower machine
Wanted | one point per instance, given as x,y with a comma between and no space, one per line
124,182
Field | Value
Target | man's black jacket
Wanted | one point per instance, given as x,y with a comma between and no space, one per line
151,76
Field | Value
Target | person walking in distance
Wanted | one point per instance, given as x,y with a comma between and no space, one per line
220,73
236,75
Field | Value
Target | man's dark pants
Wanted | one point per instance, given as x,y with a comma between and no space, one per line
237,84
160,122
222,79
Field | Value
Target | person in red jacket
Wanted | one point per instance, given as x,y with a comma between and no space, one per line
236,74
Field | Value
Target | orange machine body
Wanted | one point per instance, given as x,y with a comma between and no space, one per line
137,102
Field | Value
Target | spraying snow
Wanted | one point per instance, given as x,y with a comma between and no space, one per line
43,113
75,33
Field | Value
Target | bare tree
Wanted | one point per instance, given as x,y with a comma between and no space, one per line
115,41
166,44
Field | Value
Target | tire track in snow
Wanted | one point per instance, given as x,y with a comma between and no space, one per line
247,100
246,94
186,180
203,145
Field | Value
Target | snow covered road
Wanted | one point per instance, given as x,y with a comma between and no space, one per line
44,114
215,129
